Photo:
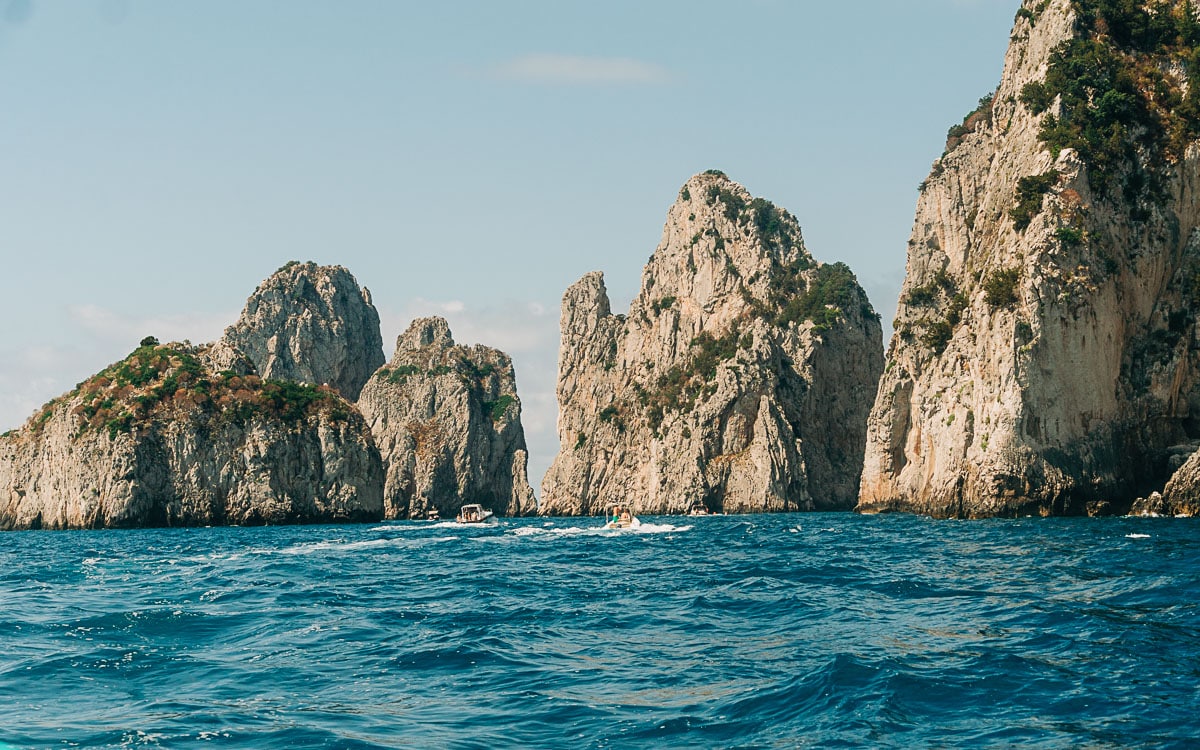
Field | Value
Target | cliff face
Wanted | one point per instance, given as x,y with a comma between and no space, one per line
310,324
163,439
741,377
1046,355
448,423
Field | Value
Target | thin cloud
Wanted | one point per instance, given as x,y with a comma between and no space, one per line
128,330
575,70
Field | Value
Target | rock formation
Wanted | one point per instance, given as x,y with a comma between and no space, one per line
1046,354
163,439
740,379
1181,496
311,324
257,428
448,423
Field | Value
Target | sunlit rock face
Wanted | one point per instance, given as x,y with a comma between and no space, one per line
311,324
1046,356
165,438
447,420
740,379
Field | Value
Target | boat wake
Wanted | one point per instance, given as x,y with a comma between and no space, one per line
644,528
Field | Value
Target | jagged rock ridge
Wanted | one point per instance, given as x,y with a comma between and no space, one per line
448,422
740,378
311,324
1046,355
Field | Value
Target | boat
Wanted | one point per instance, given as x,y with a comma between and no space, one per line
698,509
620,517
433,515
475,513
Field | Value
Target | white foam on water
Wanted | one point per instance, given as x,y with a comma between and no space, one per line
415,526
658,528
644,528
564,531
1137,536
311,548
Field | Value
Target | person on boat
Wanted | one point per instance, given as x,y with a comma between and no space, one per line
626,517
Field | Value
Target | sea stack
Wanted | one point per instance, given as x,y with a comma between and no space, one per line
311,324
740,378
1046,357
447,420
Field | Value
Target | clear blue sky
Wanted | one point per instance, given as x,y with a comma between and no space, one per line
159,158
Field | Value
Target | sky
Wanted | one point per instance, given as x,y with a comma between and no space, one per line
465,158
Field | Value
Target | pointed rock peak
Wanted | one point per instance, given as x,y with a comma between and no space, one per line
585,304
425,332
591,289
308,275
707,189
447,421
710,205
313,324
294,268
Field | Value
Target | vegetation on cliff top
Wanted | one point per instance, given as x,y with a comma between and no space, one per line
981,115
793,296
1123,107
470,372
157,377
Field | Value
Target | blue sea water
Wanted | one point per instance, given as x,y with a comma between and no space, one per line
822,630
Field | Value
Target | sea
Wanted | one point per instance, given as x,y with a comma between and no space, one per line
765,631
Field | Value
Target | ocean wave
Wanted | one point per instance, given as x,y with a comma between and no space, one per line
765,631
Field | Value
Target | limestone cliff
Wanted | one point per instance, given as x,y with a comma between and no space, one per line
164,439
1046,354
448,423
740,378
310,324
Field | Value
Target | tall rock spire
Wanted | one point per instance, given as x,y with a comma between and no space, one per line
740,378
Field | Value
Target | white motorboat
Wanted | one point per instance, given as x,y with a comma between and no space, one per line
475,513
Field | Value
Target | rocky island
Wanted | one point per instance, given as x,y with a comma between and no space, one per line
1046,358
262,426
740,379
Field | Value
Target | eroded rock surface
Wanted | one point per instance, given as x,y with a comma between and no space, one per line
1046,355
447,420
311,324
740,378
164,439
